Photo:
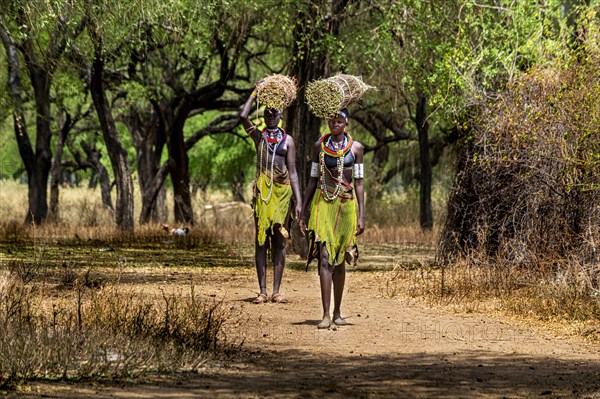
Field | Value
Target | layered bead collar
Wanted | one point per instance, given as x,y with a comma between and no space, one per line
327,145
274,135
327,148
273,138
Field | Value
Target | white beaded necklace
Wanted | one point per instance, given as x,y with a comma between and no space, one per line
264,147
340,170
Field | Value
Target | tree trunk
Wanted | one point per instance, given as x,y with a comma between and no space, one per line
302,125
180,177
237,186
38,185
93,158
376,184
154,197
425,175
14,85
379,125
56,170
149,140
174,112
116,152
37,164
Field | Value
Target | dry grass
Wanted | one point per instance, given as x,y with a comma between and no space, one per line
528,186
524,210
325,97
86,331
567,300
277,91
83,218
410,234
68,311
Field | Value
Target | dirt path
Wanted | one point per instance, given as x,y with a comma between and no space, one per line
390,349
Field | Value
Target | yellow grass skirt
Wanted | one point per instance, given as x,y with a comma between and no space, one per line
274,210
333,223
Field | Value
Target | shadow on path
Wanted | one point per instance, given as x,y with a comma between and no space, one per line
299,374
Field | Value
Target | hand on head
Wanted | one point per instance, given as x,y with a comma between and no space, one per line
260,83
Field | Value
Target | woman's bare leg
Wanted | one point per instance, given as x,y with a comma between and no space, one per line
278,249
325,278
260,257
339,280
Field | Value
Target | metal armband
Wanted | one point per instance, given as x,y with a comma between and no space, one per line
314,170
359,171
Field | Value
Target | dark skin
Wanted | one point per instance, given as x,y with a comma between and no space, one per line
278,244
328,274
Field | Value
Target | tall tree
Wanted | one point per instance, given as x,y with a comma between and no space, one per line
197,62
43,30
315,24
71,109
116,151
385,127
434,59
149,142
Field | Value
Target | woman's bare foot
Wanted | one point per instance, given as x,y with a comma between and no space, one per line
339,321
326,323
278,298
261,298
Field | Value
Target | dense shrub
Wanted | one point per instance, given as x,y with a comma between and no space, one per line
527,191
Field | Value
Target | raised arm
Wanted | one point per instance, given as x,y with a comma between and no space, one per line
250,128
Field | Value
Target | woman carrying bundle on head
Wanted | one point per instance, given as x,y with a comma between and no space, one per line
336,196
276,181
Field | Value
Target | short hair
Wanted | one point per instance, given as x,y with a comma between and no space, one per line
343,113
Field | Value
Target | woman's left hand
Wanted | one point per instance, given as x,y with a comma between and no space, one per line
301,223
360,228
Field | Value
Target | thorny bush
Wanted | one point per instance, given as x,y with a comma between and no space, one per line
527,191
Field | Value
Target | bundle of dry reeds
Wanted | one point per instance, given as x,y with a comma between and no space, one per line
325,97
276,91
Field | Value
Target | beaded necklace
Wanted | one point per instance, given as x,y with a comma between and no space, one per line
329,148
269,141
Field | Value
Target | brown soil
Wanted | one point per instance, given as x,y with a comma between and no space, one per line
392,347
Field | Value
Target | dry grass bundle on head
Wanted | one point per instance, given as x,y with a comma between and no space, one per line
326,97
352,86
276,91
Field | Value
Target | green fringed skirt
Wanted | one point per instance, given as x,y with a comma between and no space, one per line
333,224
274,210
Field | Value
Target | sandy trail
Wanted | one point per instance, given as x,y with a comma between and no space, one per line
391,348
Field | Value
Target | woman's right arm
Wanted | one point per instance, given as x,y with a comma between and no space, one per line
311,187
250,128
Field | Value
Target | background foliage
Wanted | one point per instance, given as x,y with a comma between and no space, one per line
448,55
